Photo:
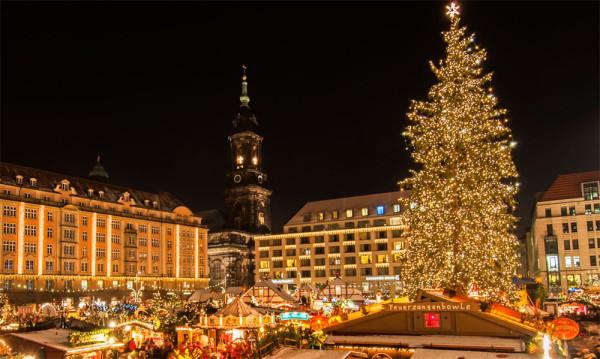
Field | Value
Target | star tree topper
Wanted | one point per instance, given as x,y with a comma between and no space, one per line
452,10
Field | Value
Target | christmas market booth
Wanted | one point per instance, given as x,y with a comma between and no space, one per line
141,332
439,320
268,294
64,343
338,293
236,320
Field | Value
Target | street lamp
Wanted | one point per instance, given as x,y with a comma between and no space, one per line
137,291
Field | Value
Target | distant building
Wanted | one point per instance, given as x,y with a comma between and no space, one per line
247,204
358,238
565,233
72,236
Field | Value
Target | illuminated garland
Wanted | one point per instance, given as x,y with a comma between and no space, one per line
77,338
459,213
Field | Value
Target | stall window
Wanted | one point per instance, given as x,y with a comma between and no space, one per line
432,320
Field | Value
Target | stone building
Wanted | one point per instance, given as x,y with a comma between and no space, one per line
72,236
565,233
247,204
357,238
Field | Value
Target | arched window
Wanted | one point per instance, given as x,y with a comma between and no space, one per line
216,271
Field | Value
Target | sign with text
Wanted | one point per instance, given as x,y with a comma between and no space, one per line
564,328
433,306
294,316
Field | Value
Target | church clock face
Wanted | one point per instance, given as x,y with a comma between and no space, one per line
237,178
260,179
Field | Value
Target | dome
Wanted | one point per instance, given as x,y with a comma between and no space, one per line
98,173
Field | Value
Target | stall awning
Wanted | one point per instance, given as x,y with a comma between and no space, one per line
431,341
453,354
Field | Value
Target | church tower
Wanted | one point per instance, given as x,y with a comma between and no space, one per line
247,199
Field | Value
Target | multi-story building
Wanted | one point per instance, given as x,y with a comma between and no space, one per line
361,239
247,204
67,235
565,233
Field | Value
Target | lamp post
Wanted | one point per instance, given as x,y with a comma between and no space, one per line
137,292
226,276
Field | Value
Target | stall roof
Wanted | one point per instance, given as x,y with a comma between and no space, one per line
295,353
265,283
59,339
420,341
453,354
354,294
203,295
237,308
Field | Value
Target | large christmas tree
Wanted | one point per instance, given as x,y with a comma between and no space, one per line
459,214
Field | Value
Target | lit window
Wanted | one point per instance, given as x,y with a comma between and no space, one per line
364,211
379,209
568,262
320,216
576,262
254,161
240,160
432,320
19,179
552,263
348,213
396,208
32,182
334,214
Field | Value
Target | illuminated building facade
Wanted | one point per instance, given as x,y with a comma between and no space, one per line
67,235
247,204
564,246
358,238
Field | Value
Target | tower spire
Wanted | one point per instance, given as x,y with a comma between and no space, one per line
244,98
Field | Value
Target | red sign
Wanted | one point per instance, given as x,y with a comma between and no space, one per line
564,328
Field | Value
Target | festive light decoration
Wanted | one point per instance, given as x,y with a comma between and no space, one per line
459,214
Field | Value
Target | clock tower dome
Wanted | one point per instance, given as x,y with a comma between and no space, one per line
247,199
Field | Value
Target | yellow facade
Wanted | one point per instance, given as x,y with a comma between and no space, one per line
359,239
83,236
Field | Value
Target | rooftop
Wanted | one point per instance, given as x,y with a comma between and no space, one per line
569,186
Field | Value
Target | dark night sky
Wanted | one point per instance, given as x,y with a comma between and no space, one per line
154,86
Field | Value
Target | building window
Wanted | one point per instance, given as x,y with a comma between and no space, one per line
30,213
588,208
30,248
10,211
576,244
49,285
115,268
30,230
69,267
596,207
100,267
9,246
28,265
84,221
590,191
552,262
84,283
366,271
574,227
563,211
567,244
593,261
548,212
320,216
349,213
49,266
116,253
576,262
143,241
48,249
565,228
69,234
100,222
380,210
568,262
320,250
397,208
49,232
9,228
572,210
364,211
101,237
100,253
591,243
590,226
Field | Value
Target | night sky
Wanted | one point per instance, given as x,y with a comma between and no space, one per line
153,87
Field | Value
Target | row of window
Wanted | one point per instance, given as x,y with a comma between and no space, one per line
349,248
574,243
570,211
332,238
394,221
572,228
320,216
307,262
347,272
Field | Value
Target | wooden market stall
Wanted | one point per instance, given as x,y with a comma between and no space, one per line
338,289
268,294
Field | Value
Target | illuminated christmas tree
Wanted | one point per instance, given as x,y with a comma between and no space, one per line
459,214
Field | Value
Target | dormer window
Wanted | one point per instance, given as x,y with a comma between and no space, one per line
590,190
19,179
101,194
126,197
155,204
64,186
146,202
32,182
90,192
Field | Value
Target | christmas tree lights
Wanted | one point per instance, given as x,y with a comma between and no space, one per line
459,214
